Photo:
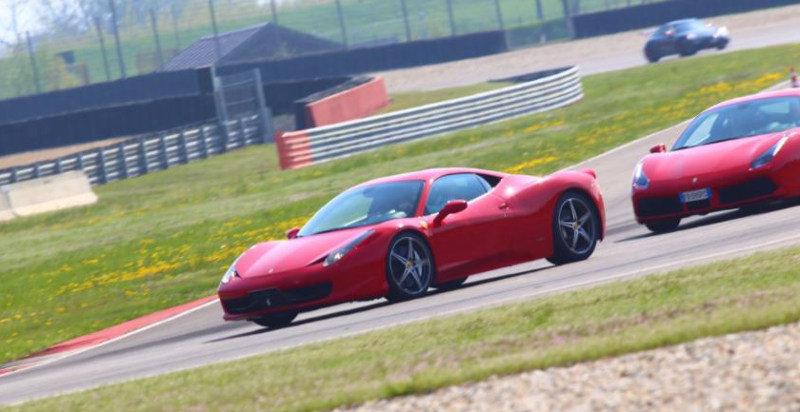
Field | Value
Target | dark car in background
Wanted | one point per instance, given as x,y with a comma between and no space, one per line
685,37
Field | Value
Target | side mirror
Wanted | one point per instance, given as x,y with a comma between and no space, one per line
670,33
292,233
659,148
451,207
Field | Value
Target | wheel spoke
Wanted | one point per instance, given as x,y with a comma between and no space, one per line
403,277
584,234
582,221
415,276
565,224
574,239
572,208
398,257
410,249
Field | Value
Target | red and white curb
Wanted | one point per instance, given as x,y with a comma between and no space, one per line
93,340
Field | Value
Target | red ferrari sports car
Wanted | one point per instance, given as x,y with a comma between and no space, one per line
737,153
397,236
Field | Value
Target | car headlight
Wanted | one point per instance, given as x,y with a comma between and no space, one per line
640,179
721,32
338,254
764,158
229,274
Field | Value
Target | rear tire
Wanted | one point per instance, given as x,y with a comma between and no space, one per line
576,228
410,269
663,226
653,58
276,320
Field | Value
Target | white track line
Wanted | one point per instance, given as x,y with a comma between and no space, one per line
56,358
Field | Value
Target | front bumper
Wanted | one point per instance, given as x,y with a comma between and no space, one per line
653,205
303,289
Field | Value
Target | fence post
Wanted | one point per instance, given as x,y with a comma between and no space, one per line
144,168
568,18
217,46
162,146
59,166
183,154
101,164
405,19
34,68
451,17
222,112
539,10
121,59
264,113
36,171
123,160
102,40
154,23
499,11
79,160
203,142
340,12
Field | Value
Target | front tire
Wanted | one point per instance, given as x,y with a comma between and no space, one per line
663,226
276,320
576,229
409,267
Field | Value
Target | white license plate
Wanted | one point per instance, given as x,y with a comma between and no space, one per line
695,195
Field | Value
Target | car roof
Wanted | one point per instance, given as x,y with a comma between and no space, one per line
427,175
692,20
757,96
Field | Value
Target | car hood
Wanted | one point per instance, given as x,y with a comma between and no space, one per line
286,255
733,155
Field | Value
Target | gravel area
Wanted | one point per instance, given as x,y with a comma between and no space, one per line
754,371
594,55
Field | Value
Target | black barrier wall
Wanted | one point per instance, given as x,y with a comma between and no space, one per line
656,14
142,117
133,89
370,59
167,100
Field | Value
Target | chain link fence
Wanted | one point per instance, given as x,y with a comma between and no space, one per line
48,45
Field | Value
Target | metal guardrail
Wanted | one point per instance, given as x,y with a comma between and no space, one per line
137,157
305,147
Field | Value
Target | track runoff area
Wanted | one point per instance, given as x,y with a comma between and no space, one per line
199,336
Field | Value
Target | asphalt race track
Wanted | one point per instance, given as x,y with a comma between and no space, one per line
201,337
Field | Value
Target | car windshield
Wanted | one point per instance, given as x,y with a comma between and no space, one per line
752,118
688,26
365,206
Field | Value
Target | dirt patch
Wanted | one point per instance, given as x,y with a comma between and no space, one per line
21,159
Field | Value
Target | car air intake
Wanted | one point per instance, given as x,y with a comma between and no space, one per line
275,298
750,189
655,206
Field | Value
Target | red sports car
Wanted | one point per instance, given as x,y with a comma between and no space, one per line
737,153
397,236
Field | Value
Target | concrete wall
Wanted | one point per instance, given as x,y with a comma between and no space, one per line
46,194
355,103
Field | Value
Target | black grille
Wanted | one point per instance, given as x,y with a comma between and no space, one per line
762,186
698,205
655,206
274,298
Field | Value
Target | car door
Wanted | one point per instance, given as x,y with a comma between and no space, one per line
471,240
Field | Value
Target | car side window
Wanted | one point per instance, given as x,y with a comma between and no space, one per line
463,186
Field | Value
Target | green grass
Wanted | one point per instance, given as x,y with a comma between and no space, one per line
714,299
166,238
366,21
